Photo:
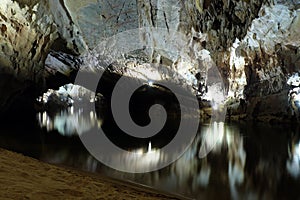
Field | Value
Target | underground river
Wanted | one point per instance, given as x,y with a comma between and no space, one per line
249,161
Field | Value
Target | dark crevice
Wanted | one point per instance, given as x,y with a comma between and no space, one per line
152,13
166,21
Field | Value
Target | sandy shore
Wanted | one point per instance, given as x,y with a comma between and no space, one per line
22,177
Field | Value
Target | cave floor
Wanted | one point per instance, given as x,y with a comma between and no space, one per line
23,177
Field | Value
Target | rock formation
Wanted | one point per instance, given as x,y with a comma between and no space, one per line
254,44
28,31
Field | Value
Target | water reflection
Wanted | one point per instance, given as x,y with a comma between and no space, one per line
139,160
219,137
293,163
69,122
248,161
203,173
212,137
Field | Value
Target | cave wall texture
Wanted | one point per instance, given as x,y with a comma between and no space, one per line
27,31
255,44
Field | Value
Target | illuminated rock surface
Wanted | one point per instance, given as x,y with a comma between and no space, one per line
255,45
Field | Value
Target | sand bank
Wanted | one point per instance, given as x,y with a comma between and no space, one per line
23,177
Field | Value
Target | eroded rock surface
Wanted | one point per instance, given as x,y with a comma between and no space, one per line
28,29
262,62
27,32
254,44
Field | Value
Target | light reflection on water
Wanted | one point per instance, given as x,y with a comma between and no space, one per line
72,123
69,122
293,163
249,161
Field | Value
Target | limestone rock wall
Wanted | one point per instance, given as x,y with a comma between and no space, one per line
264,51
255,44
261,62
28,29
26,34
211,26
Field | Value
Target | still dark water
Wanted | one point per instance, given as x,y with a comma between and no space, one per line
249,161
